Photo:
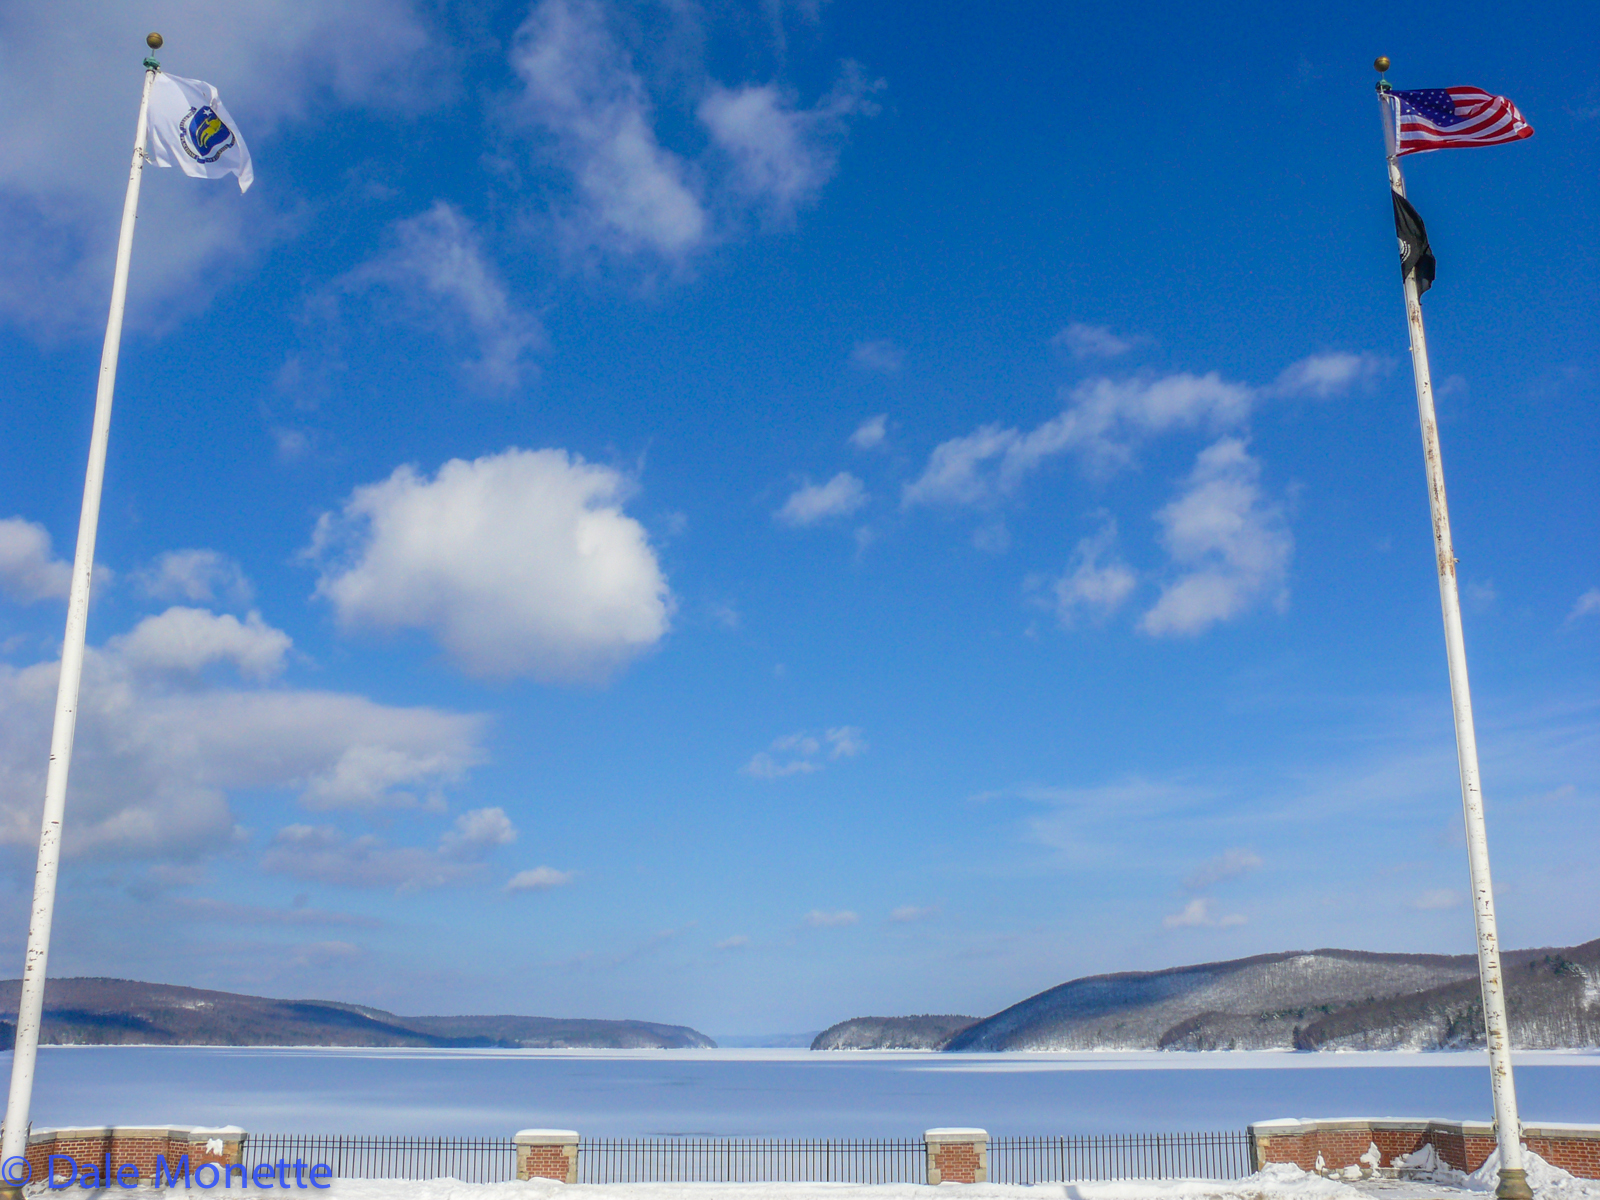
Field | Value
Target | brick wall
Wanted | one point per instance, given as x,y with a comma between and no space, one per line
957,1155
547,1154
1464,1145
138,1145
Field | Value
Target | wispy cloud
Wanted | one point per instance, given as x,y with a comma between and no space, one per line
818,919
882,356
1092,341
1588,605
539,879
812,502
1097,581
869,435
325,854
198,576
804,753
1230,864
1201,913
907,913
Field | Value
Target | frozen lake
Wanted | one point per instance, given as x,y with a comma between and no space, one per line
773,1093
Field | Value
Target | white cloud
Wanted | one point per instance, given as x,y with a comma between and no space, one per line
910,912
325,854
1103,418
437,261
813,502
190,639
881,356
539,879
803,753
1092,341
581,90
1090,584
1588,605
1230,864
158,750
276,62
1229,546
782,154
870,433
1438,898
198,576
1324,375
736,942
28,570
818,919
1199,913
519,563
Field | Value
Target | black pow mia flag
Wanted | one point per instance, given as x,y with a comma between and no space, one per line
1416,256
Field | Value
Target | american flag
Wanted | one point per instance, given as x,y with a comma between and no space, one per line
1442,118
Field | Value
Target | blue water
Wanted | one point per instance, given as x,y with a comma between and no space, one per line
773,1093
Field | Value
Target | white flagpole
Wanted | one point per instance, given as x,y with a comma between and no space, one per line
1508,1126
15,1139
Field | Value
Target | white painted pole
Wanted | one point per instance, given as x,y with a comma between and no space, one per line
15,1140
1508,1126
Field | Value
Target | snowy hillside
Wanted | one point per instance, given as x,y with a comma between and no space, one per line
1321,999
891,1033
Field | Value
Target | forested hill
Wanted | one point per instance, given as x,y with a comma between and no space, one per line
891,1033
87,1012
1308,1000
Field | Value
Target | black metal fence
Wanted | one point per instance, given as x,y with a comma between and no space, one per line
471,1160
751,1160
1225,1155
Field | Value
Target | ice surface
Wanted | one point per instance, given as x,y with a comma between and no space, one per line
773,1093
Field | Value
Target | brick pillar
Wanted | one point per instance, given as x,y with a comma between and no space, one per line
547,1154
957,1155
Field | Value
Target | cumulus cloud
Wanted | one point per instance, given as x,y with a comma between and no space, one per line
539,879
818,919
1230,547
804,753
1097,582
276,62
519,563
1201,913
813,502
581,90
28,570
870,433
881,356
190,639
325,854
1324,375
1230,864
198,576
1092,341
159,749
436,261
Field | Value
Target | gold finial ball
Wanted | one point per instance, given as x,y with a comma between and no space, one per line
154,42
1381,63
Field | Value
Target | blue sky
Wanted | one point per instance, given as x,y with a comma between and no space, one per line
751,515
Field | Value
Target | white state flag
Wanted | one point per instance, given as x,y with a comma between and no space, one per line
190,127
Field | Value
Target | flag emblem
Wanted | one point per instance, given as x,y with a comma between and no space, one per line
204,135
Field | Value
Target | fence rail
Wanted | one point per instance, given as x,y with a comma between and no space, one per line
471,1160
751,1160
1223,1155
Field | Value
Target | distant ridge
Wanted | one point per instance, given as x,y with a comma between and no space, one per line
99,1012
891,1033
1307,1000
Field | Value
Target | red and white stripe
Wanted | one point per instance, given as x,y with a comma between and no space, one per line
1488,120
